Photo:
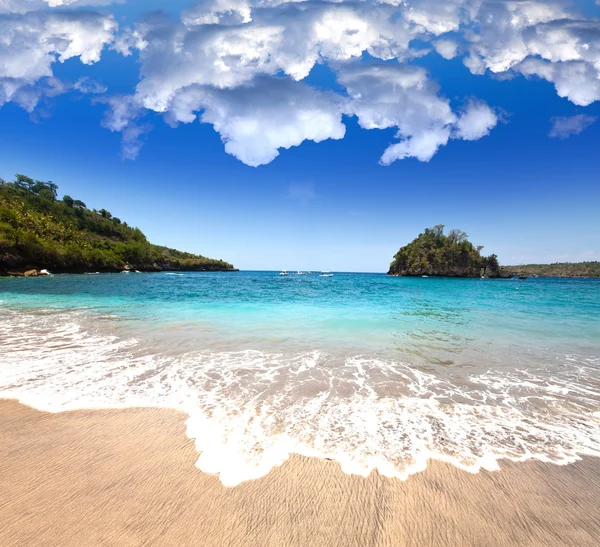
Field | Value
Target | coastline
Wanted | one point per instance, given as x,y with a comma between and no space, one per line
6,273
128,477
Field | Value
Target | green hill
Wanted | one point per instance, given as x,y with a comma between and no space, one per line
38,230
434,253
558,269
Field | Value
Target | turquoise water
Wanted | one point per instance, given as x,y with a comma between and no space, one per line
373,371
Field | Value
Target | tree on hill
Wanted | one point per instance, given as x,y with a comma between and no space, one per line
557,269
38,230
437,254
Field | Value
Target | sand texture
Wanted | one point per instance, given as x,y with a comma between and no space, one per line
128,477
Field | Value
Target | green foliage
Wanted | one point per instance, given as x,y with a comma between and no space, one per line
557,269
37,229
435,253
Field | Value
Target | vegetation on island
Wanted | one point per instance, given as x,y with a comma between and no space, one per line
39,230
434,253
558,269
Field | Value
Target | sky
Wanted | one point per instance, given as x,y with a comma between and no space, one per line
313,135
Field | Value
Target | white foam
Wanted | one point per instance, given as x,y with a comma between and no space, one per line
249,410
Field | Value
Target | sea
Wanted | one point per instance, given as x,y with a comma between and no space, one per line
375,372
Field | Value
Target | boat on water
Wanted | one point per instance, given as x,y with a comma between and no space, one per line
284,272
522,277
325,274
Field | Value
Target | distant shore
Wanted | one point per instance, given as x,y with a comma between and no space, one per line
37,272
127,477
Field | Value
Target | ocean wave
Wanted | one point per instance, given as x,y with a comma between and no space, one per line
250,409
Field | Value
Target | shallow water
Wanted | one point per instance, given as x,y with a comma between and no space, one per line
373,371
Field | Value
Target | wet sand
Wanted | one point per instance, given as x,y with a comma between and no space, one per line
128,477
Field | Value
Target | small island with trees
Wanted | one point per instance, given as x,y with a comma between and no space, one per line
40,231
434,253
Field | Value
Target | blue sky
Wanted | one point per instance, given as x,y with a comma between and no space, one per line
406,137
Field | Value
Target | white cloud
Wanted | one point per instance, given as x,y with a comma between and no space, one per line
565,126
403,97
290,38
501,34
537,37
576,80
122,110
31,43
88,86
131,139
24,6
435,16
123,116
448,49
476,122
221,68
222,56
258,119
28,97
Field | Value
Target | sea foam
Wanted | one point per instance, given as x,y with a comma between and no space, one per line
249,410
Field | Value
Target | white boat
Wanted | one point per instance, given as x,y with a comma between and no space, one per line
126,271
300,273
326,275
284,272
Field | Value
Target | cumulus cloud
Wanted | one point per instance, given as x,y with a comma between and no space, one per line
229,44
576,80
226,60
289,39
434,16
562,127
476,121
254,121
31,43
404,98
541,38
448,49
258,119
400,97
240,64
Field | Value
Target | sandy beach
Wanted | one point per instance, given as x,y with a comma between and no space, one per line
127,477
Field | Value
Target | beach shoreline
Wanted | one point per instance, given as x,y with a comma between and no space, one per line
128,477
